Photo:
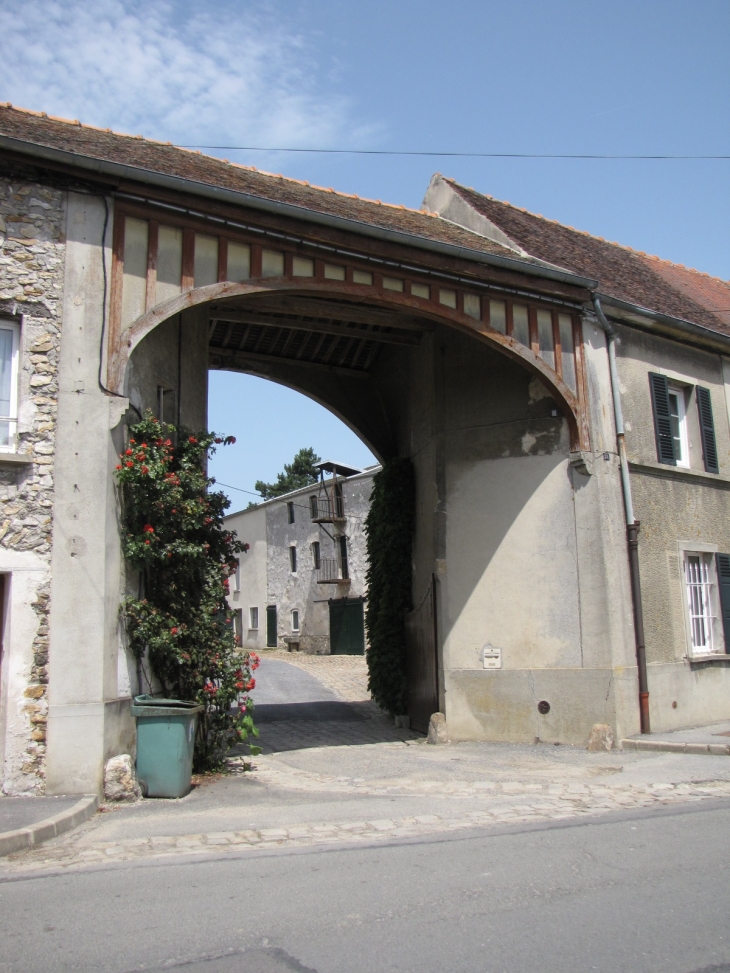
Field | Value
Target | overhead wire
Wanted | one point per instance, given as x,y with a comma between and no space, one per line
460,155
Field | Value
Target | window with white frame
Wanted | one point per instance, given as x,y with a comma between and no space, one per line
703,603
9,343
678,423
253,618
295,620
236,577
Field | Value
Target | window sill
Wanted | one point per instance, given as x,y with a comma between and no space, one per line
15,459
677,472
721,658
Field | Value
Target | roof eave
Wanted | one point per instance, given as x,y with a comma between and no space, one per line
705,335
118,170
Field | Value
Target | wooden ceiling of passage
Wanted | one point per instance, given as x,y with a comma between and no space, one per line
316,332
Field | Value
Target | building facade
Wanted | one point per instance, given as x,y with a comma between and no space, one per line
563,400
301,585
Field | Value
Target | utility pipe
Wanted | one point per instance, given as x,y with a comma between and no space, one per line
632,525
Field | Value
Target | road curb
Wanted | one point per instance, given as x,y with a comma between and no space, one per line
36,834
664,746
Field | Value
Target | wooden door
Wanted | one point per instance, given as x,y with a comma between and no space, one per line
272,634
347,627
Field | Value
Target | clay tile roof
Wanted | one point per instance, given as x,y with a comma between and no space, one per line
623,273
85,140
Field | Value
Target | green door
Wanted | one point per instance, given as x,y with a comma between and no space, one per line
272,635
347,627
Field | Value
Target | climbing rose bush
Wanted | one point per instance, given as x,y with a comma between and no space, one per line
173,534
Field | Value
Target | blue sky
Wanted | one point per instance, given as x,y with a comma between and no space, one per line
565,76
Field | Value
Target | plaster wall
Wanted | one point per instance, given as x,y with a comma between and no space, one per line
535,553
250,527
86,565
676,505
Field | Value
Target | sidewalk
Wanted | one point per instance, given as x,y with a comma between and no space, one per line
28,821
713,739
318,788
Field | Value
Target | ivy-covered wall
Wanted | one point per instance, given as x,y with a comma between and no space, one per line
389,530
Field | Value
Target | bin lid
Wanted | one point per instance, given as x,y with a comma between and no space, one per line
158,702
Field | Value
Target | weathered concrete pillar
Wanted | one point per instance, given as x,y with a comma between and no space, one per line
88,716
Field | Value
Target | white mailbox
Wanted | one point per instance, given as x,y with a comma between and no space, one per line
492,657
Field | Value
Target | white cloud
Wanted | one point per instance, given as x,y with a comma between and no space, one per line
219,75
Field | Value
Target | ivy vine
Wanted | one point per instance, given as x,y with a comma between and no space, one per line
389,531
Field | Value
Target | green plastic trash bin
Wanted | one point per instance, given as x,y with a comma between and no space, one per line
165,742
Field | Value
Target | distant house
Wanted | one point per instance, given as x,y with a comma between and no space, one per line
301,585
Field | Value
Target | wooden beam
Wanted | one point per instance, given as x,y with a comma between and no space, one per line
322,308
226,359
317,327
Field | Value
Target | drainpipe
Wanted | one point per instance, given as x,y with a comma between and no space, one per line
632,525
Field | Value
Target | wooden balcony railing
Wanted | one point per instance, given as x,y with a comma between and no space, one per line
327,510
333,570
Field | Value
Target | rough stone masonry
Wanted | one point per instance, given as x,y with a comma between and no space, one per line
32,249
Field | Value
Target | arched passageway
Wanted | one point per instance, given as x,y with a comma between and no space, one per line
483,420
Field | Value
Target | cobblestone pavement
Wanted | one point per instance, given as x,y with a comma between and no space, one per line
345,675
505,803
364,781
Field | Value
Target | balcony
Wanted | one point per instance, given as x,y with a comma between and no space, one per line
327,510
332,570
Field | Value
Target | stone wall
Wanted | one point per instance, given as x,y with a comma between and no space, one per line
32,251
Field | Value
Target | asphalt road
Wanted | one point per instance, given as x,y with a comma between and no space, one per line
641,892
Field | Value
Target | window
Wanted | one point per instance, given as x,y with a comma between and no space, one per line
313,508
707,602
316,555
253,618
293,559
295,620
236,577
9,335
238,626
343,558
669,404
166,404
290,512
678,424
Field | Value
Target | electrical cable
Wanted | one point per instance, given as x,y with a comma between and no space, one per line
464,155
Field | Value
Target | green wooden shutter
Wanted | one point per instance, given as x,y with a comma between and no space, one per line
723,579
272,635
662,423
707,429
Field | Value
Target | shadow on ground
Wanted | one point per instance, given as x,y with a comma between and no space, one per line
294,710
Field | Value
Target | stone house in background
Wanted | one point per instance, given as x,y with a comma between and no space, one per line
301,585
564,401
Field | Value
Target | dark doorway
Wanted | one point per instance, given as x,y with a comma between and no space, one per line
272,635
422,661
347,627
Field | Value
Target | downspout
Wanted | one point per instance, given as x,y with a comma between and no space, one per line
632,525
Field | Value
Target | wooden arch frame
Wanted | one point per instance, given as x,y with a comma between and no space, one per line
121,345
